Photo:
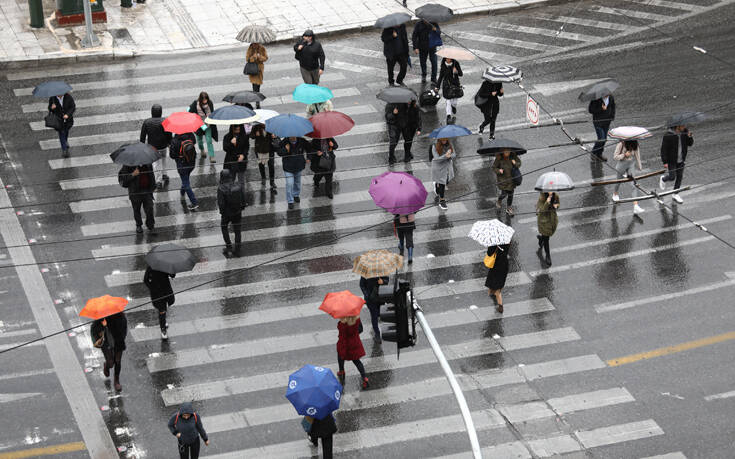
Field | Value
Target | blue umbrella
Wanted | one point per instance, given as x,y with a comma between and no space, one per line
449,131
231,114
311,94
50,89
314,391
288,125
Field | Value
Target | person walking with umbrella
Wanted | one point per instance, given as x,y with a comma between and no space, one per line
152,131
183,151
257,55
503,167
349,347
448,80
369,287
108,334
396,117
546,220
162,295
186,425
496,276
264,152
293,151
62,106
425,38
311,57
140,182
489,94
323,163
496,236
674,148
626,154
236,145
442,168
325,429
603,114
404,225
395,50
318,107
203,106
230,204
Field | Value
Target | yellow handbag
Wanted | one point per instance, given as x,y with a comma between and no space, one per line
490,260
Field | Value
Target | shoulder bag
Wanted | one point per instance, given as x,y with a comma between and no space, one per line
517,176
490,260
53,121
251,68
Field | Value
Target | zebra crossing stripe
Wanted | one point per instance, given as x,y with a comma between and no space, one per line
676,455
630,13
584,22
544,32
689,7
352,51
531,45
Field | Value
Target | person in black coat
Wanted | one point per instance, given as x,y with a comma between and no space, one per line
674,148
162,295
109,335
603,113
152,132
496,276
368,286
324,429
63,107
405,120
311,57
448,80
229,203
183,151
236,145
265,153
321,156
293,151
186,425
490,91
395,50
425,46
140,182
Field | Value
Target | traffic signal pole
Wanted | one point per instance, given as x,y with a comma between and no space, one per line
464,409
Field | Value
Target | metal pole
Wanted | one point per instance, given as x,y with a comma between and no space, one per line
90,40
466,415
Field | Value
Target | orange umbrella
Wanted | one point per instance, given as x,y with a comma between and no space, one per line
103,306
342,304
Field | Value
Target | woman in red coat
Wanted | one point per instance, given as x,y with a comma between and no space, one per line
349,347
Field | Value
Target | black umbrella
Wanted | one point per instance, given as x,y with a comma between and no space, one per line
397,95
497,146
135,154
243,97
392,20
685,118
434,12
170,258
599,90
50,89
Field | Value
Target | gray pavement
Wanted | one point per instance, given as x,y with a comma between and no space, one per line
548,377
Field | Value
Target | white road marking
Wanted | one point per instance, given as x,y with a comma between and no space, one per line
14,397
618,434
532,45
631,13
595,399
720,396
544,32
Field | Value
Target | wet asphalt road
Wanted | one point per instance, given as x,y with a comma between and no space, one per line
541,379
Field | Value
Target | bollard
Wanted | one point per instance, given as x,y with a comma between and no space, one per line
35,7
126,3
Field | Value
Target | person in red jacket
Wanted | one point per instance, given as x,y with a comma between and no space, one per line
349,347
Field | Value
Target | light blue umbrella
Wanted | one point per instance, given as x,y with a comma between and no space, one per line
288,125
449,131
51,89
311,94
314,391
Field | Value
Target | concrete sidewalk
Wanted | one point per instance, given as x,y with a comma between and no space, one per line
162,26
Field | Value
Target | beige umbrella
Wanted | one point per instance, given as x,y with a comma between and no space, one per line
457,54
377,263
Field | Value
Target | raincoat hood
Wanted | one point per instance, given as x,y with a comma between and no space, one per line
186,408
156,111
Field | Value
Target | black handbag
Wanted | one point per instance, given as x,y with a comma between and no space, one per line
325,161
53,121
517,176
251,68
454,91
479,100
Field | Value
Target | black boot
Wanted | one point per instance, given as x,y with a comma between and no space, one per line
261,167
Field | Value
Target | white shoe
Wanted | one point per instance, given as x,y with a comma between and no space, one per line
164,334
616,197
677,198
638,209
661,183
433,187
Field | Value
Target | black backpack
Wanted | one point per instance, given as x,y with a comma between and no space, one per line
121,177
233,200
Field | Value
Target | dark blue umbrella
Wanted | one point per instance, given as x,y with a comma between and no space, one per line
449,131
314,391
288,125
231,114
135,154
51,88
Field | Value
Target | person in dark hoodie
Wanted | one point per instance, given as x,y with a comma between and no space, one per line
183,151
109,334
162,295
323,163
236,145
264,151
140,182
186,426
425,38
293,151
152,131
311,57
229,202
395,50
402,119
325,429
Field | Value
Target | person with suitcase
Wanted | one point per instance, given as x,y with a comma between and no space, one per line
452,91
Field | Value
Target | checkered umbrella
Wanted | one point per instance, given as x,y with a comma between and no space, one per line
502,74
491,232
377,263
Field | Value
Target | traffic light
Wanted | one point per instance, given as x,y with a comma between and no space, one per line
399,313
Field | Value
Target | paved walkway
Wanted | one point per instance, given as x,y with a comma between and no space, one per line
160,26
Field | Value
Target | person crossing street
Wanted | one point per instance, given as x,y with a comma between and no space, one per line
229,202
108,334
603,114
162,295
152,132
140,182
186,425
63,108
395,50
311,57
293,151
674,149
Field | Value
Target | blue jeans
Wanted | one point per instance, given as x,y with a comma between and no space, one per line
431,54
293,185
63,138
601,136
374,314
184,173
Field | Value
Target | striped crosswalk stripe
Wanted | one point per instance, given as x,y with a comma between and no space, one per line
630,13
543,32
532,45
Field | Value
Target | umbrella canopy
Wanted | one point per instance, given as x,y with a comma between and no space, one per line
397,95
264,114
256,34
330,124
244,97
629,133
502,74
288,125
232,114
434,12
342,304
398,192
599,90
392,20
377,263
170,258
498,145
491,232
458,54
314,391
134,154
311,94
450,131
685,118
182,122
103,306
554,181
51,88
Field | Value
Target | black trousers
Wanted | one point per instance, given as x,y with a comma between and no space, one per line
402,61
440,190
543,242
256,88
674,174
145,200
407,236
326,445
489,120
271,170
327,180
236,221
394,135
508,194
113,359
190,451
358,364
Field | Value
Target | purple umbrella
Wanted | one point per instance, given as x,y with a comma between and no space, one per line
398,192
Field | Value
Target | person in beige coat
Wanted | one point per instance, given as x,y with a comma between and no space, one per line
257,53
627,153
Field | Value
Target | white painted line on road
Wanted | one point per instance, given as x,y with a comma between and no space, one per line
584,22
544,32
575,54
14,397
720,396
631,13
672,5
532,45
26,374
676,455
12,345
352,51
595,399
26,331
618,434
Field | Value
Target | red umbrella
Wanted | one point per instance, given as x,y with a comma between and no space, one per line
342,304
330,124
103,306
182,122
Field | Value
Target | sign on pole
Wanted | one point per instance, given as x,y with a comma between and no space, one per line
532,111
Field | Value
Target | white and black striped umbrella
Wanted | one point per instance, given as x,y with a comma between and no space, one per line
502,74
